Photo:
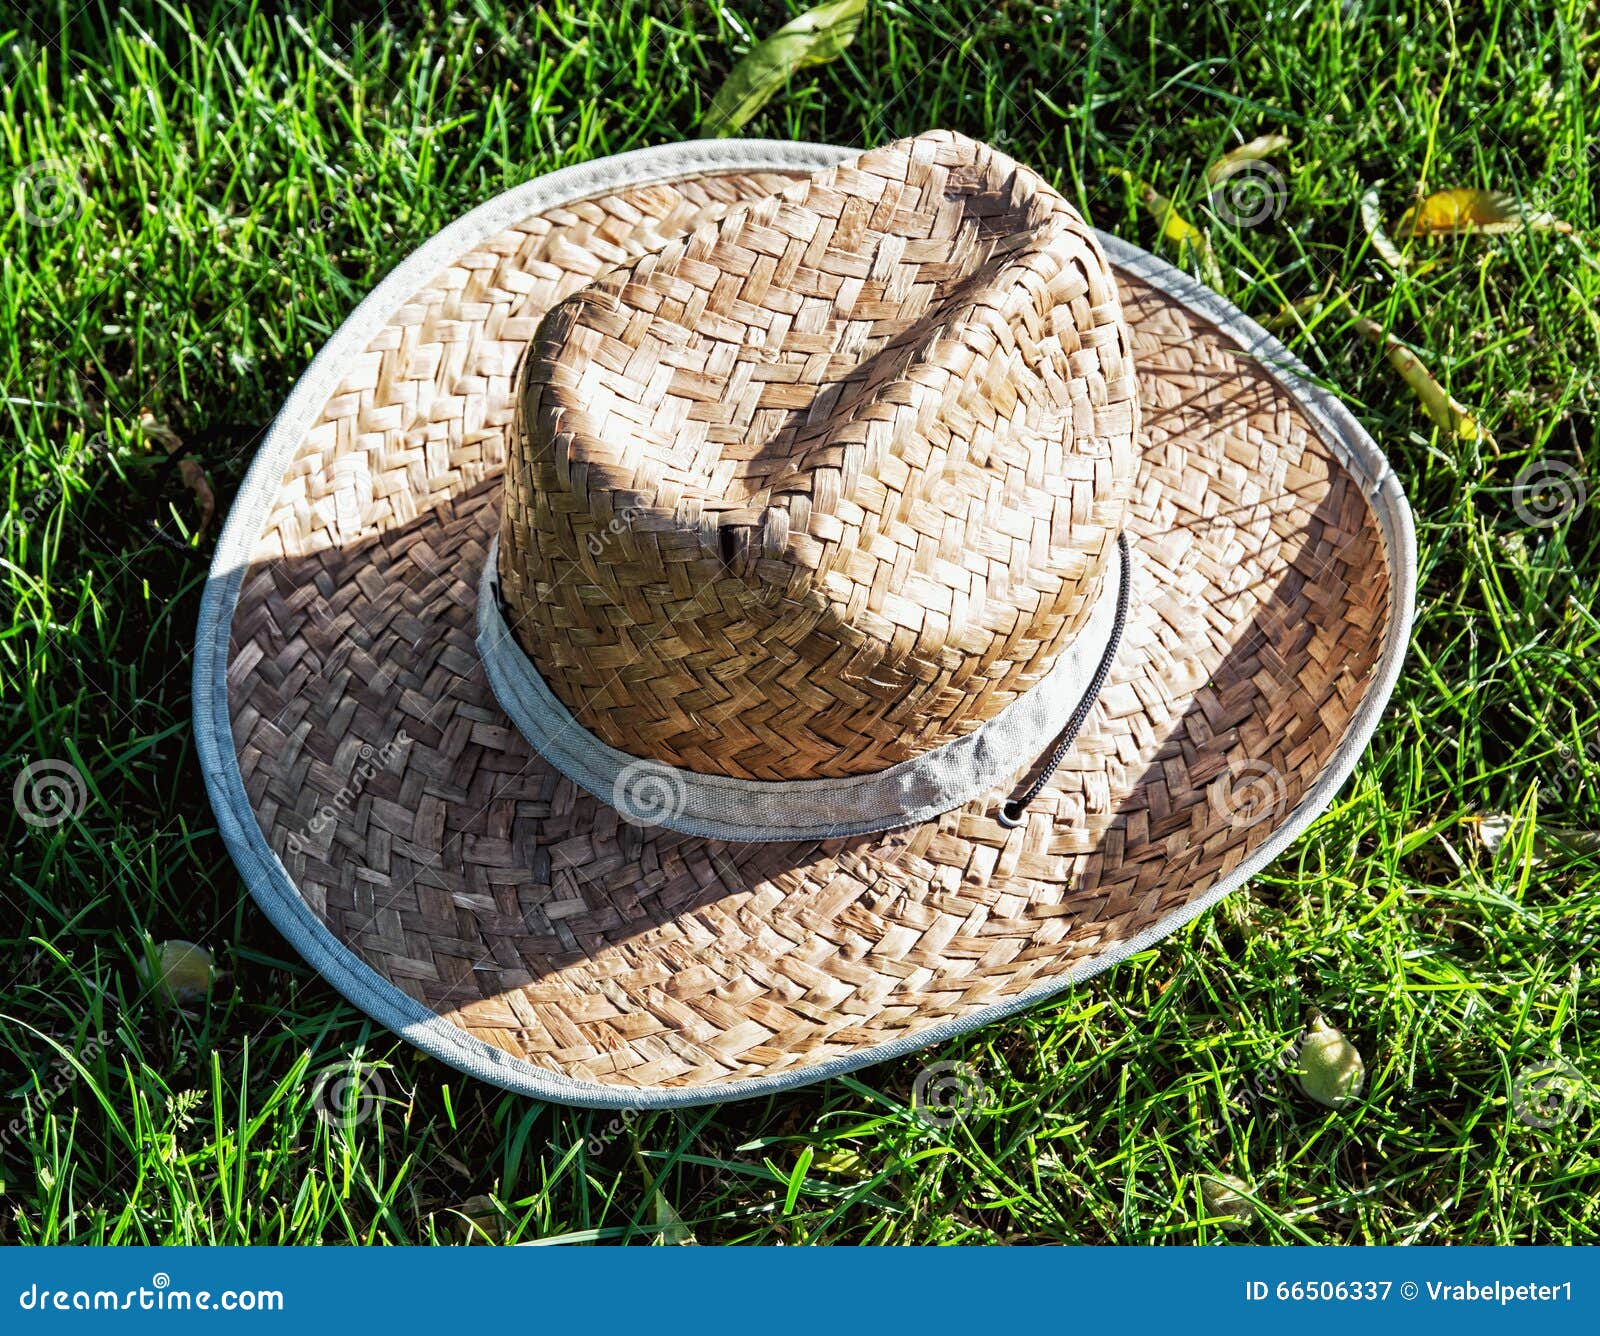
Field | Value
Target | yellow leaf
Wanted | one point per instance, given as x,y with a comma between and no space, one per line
842,1163
813,38
1456,212
1454,417
1293,315
1175,228
179,970
1260,147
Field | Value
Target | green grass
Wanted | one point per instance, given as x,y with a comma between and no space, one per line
243,186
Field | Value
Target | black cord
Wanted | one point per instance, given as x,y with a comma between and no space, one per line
1011,812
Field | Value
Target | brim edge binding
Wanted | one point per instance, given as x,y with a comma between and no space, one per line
269,881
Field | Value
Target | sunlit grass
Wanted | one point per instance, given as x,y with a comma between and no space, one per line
245,180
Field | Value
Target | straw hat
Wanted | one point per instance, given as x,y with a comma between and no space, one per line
731,613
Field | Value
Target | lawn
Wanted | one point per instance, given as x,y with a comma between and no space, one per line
198,196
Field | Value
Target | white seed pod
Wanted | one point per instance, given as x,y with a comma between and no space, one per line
1224,1196
1330,1069
181,970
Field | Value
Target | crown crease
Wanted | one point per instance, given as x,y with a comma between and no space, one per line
829,481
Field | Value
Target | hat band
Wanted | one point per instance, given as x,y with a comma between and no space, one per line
650,793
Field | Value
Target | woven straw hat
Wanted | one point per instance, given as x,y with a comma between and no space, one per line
731,613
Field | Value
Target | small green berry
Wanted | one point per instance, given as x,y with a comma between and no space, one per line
1224,1196
181,970
1330,1069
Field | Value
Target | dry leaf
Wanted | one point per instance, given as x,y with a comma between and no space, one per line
1453,416
194,477
158,431
1260,147
814,38
1548,841
479,1218
1372,220
1458,212
667,1221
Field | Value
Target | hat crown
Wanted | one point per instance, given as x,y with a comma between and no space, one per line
831,481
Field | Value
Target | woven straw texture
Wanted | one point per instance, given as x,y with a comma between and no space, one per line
423,832
830,481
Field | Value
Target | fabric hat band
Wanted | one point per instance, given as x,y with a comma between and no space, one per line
648,793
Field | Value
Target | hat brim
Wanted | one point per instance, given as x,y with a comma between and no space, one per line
409,844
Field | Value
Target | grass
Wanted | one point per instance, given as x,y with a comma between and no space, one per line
245,179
